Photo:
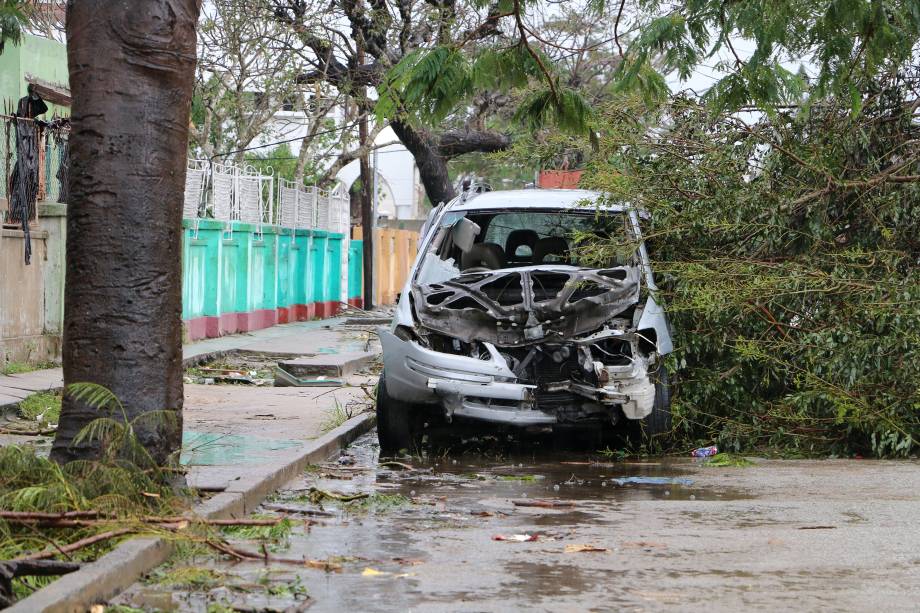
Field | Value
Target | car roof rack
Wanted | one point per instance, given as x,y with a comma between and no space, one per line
470,189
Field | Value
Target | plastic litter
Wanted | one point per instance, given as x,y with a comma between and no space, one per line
545,504
653,481
583,548
517,538
704,452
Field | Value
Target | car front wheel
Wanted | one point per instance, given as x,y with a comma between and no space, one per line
396,422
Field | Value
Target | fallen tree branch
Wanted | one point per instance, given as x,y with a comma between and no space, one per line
46,432
319,494
292,509
396,464
245,555
86,542
10,569
89,518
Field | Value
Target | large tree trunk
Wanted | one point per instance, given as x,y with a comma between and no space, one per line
432,152
131,73
432,166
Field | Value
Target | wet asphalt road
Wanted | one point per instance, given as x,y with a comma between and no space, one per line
668,534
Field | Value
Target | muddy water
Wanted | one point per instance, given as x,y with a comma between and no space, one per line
457,534
427,535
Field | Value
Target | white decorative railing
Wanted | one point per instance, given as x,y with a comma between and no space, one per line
231,193
196,179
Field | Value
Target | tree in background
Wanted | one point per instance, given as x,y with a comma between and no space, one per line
246,73
132,69
12,20
40,17
445,72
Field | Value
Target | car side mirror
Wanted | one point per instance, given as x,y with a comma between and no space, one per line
463,234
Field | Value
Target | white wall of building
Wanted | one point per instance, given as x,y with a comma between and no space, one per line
398,184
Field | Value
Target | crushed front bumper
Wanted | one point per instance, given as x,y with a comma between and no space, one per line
487,389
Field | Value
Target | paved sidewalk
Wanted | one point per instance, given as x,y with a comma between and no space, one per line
235,431
297,338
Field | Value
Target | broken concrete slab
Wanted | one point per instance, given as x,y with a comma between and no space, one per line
367,321
285,379
327,365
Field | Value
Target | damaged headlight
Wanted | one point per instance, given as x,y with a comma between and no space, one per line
406,333
448,344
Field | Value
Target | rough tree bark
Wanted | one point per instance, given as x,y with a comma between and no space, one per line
131,73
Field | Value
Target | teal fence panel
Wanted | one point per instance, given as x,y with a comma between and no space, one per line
200,265
302,288
355,268
318,265
231,268
334,263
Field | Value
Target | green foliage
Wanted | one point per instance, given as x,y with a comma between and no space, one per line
335,417
16,368
844,41
378,503
12,19
281,162
123,487
275,533
563,107
786,251
188,578
430,84
116,435
728,459
44,407
32,483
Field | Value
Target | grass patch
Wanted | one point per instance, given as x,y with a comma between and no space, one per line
378,503
525,478
275,533
17,368
283,589
189,578
335,417
728,459
44,407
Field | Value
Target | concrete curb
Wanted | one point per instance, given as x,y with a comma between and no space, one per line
118,569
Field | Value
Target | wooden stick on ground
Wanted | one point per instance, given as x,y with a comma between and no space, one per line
90,540
46,432
10,569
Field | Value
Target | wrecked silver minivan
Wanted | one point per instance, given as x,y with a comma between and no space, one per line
516,313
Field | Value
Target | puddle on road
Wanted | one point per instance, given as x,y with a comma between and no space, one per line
214,449
427,534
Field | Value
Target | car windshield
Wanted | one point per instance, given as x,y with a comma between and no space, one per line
515,238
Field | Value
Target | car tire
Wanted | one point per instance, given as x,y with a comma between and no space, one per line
396,422
658,422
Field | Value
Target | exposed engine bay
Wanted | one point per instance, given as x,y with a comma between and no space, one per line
568,333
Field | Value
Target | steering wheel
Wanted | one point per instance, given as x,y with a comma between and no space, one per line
477,269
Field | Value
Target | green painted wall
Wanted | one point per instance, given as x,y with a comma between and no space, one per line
235,269
40,57
355,267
